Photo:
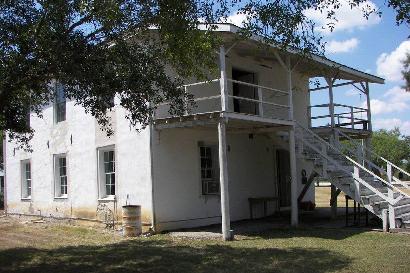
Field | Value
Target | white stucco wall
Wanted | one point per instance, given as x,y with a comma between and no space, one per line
80,137
178,197
177,185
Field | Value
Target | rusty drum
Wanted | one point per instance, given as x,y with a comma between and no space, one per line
131,220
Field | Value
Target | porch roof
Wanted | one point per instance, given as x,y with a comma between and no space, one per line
315,66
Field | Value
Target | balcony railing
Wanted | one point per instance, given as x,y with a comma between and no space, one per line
254,100
345,116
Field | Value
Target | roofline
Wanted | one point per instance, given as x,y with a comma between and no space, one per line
229,27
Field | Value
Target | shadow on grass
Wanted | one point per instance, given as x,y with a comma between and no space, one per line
320,233
153,255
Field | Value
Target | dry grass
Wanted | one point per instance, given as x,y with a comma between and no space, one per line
322,198
62,248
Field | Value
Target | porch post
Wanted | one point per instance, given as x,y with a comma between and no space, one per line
369,113
223,178
292,154
223,80
223,164
331,103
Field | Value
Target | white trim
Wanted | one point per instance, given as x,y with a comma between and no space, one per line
102,196
57,177
23,180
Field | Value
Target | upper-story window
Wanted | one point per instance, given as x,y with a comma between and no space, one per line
59,103
60,184
26,179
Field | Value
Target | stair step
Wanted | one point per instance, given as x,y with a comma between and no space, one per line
383,204
400,210
374,198
404,217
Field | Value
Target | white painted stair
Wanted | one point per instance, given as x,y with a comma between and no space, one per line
354,175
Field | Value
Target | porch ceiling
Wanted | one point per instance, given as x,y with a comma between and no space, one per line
314,66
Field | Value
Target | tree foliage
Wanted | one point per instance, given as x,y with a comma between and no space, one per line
406,72
393,146
101,48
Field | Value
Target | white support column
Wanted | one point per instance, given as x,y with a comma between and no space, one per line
223,80
331,102
369,113
294,182
385,216
356,175
292,153
390,194
224,181
369,121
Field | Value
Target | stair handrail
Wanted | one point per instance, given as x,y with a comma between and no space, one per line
397,180
361,181
389,200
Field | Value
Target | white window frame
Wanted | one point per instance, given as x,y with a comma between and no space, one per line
214,169
58,87
58,176
102,174
26,182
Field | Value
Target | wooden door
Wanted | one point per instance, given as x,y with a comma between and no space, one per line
283,177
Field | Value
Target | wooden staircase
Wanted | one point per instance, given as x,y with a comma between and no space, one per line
353,173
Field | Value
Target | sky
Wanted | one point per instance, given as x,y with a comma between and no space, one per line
376,46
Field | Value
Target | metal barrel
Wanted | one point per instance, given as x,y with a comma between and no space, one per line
131,220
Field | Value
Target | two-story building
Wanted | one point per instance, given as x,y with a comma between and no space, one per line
237,145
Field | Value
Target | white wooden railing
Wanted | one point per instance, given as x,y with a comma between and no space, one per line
267,102
390,170
345,116
350,167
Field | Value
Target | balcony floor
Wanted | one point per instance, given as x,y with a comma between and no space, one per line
353,133
234,121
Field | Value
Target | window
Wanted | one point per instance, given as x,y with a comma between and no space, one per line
106,157
209,170
59,103
60,171
26,179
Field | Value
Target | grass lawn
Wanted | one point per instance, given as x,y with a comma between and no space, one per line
59,248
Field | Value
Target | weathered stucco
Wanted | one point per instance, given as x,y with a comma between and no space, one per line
177,197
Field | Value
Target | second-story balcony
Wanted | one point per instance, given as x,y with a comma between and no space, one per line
344,116
242,101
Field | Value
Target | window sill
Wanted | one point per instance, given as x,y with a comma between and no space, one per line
110,198
26,199
211,194
65,196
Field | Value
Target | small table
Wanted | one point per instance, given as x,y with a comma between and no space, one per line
257,200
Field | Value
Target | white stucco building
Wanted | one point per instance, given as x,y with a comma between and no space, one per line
198,169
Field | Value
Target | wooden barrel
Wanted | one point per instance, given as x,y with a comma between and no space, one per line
131,220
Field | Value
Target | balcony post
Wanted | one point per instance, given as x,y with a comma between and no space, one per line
224,181
369,113
390,194
331,103
292,152
223,80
